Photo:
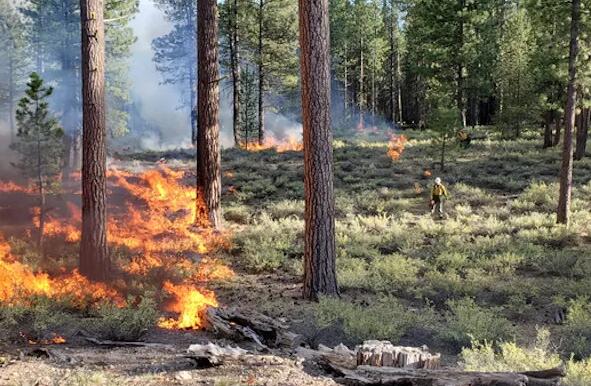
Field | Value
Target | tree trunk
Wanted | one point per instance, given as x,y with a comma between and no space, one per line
361,93
261,75
557,131
209,178
566,170
94,258
399,84
192,78
547,129
460,66
392,27
443,143
41,187
346,85
235,64
582,134
319,240
11,94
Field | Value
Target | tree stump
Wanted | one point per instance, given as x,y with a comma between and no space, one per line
384,354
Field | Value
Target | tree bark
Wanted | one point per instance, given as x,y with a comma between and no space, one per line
582,134
460,66
566,170
192,78
209,178
557,130
319,240
235,64
11,93
94,258
548,130
361,91
261,72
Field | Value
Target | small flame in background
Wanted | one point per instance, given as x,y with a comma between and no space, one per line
156,225
292,143
396,146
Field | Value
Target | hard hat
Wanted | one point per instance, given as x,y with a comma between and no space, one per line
438,180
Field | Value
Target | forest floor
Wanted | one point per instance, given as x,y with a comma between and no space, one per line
496,269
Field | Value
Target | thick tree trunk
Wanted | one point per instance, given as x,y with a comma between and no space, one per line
319,240
548,129
192,77
94,258
235,64
582,134
261,72
566,170
208,149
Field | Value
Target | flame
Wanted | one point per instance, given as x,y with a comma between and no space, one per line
156,223
427,173
396,146
18,281
56,339
190,303
12,187
292,143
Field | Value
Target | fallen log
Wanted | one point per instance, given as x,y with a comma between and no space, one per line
370,375
384,353
115,343
264,331
211,354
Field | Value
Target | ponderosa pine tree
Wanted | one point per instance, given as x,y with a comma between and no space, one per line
566,169
40,144
319,236
209,178
175,53
271,39
13,61
94,258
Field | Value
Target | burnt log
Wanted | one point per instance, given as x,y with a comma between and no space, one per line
371,375
241,325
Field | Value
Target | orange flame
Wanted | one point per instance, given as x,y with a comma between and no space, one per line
11,187
396,146
157,225
190,303
292,143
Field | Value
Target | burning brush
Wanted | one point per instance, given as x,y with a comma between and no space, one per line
155,224
396,146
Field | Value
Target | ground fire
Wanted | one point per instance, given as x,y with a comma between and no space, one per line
396,146
291,143
152,217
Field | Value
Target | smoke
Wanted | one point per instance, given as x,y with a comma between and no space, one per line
7,156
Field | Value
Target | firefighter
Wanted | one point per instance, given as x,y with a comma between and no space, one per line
437,194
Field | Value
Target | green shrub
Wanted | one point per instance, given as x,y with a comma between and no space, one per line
386,319
511,357
468,321
394,272
267,244
38,319
577,331
538,196
286,208
239,214
127,323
